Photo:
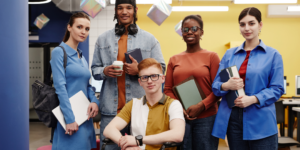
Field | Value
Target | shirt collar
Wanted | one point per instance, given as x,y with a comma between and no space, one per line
161,101
261,44
69,50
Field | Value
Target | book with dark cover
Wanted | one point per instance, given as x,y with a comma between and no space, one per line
137,55
225,75
189,92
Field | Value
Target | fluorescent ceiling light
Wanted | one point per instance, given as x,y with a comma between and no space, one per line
145,1
293,8
41,2
200,8
264,1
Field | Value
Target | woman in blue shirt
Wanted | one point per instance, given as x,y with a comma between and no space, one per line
251,124
70,81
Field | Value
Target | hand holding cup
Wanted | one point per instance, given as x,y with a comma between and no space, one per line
114,70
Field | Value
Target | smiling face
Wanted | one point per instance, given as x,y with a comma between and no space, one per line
250,27
151,87
191,37
80,29
125,14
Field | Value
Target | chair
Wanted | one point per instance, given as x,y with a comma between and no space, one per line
283,142
165,145
96,121
98,145
280,116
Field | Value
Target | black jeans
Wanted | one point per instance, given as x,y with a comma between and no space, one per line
235,135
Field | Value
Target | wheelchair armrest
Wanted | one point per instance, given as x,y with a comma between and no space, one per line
170,144
106,141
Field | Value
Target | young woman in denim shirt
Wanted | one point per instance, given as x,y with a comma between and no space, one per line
70,81
251,124
203,65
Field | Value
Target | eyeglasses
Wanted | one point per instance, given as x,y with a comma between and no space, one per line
153,77
193,29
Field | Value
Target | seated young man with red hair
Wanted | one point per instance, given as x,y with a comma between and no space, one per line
155,118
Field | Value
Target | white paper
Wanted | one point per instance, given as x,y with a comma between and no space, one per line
79,104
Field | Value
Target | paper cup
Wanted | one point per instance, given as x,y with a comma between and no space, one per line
120,64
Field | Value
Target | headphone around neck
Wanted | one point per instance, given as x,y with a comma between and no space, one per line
120,29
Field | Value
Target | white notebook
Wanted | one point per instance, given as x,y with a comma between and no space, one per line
79,104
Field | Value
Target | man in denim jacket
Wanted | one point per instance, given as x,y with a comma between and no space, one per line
126,36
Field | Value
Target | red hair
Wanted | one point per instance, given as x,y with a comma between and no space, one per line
148,62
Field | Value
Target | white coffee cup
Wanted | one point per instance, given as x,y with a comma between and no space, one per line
120,64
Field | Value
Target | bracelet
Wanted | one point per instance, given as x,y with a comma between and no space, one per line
137,144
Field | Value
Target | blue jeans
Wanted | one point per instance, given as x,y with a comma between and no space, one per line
198,134
235,135
105,120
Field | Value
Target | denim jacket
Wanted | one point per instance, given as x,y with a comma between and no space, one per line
106,52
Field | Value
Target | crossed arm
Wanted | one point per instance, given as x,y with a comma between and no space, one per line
175,134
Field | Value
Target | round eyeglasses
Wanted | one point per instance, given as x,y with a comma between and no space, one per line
154,77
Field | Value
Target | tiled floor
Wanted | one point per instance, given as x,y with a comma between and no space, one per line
40,136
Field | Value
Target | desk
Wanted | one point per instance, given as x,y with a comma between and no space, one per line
291,117
297,109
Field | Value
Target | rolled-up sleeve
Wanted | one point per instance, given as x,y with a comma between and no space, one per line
59,81
216,86
275,89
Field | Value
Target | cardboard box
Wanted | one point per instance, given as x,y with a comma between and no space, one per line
92,7
41,21
178,28
159,12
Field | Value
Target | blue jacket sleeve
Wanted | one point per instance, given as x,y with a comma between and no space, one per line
59,81
97,65
91,95
275,88
216,86
157,55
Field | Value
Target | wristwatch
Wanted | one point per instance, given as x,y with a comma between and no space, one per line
140,139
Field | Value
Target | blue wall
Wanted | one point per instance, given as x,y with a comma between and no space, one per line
14,75
54,30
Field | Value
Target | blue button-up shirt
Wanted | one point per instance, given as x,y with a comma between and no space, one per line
106,52
264,79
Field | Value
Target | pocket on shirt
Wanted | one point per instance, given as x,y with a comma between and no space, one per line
146,53
105,54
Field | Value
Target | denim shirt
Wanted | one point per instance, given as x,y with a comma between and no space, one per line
106,52
264,79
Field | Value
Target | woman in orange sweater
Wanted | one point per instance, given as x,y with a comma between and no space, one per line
203,65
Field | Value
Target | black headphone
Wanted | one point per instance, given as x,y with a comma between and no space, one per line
120,29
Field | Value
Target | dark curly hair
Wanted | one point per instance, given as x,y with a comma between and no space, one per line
198,18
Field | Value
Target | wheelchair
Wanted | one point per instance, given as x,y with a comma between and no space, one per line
165,145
